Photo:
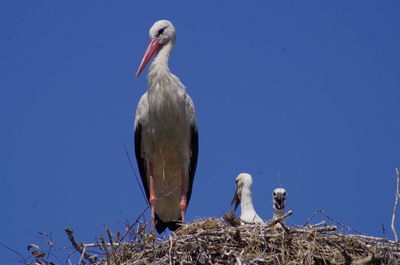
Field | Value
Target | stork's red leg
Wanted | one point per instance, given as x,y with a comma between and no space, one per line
183,202
152,199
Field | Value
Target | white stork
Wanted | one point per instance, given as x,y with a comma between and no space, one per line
243,196
166,135
278,201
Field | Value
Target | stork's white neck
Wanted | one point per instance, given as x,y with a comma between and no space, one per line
166,94
278,213
160,62
160,78
246,202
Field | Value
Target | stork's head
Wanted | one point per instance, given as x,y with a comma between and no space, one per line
243,180
161,33
279,198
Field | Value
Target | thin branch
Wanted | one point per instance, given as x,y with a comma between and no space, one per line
317,229
396,238
103,245
70,234
170,250
134,173
311,217
319,211
81,257
129,228
95,245
279,219
322,223
113,252
372,238
16,252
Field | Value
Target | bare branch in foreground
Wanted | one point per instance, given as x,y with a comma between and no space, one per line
134,173
279,219
70,234
340,224
16,252
396,200
113,252
103,245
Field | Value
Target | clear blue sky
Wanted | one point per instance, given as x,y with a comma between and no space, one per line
307,88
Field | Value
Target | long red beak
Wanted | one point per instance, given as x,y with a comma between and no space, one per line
151,49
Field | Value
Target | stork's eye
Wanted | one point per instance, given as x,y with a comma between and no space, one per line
284,194
160,31
274,194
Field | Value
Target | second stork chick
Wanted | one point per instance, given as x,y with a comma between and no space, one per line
278,201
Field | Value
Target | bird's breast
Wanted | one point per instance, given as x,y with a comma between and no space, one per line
167,128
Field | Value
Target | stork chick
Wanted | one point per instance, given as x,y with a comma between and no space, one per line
243,196
278,201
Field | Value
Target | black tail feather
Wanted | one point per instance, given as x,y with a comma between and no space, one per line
171,225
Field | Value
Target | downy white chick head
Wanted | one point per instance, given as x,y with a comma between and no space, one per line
279,198
242,180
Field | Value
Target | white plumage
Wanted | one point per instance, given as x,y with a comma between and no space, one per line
243,196
166,136
278,201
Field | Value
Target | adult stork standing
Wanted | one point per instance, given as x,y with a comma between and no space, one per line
166,135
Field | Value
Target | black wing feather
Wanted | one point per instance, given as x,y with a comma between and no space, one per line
139,159
194,145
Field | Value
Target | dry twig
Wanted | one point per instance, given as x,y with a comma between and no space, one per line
395,205
16,252
113,252
104,247
279,219
70,234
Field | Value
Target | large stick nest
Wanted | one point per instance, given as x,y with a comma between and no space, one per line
219,241
213,241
